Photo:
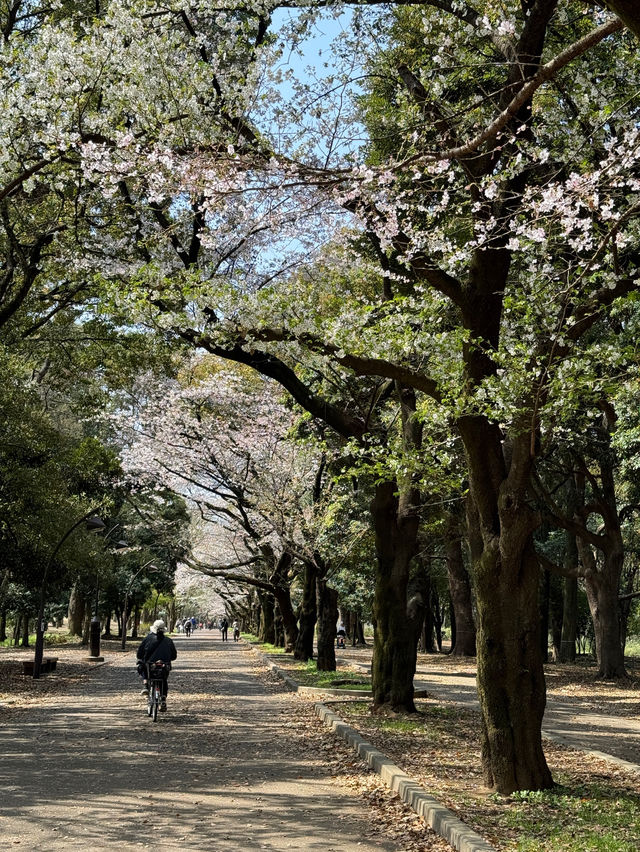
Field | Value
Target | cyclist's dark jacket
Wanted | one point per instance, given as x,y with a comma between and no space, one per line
156,646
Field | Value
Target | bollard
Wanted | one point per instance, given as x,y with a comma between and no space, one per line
94,640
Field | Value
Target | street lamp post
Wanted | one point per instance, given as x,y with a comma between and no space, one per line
98,525
39,649
95,627
152,569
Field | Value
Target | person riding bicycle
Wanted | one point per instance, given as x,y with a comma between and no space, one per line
156,646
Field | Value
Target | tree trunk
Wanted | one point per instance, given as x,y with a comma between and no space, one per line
86,625
24,643
394,649
427,634
76,612
544,601
327,619
308,615
282,593
602,594
107,626
628,12
511,685
3,625
602,581
555,615
278,625
464,644
569,619
347,617
267,631
570,588
437,618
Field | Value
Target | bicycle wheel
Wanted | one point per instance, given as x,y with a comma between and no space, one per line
150,701
156,701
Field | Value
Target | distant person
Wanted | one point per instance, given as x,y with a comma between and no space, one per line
236,631
341,635
156,646
224,627
187,627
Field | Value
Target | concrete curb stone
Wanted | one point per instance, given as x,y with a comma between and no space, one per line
440,819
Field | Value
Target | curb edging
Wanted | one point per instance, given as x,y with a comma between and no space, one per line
443,821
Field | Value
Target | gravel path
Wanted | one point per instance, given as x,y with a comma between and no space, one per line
221,769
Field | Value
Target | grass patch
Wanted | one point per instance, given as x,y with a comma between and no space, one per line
574,818
265,647
307,674
50,640
632,646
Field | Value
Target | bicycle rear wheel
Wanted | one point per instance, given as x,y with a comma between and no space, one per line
156,701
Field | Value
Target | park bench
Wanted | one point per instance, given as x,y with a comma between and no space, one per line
48,665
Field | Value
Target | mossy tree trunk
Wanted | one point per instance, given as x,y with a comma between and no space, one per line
511,685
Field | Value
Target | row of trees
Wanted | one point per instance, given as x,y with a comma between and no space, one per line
434,250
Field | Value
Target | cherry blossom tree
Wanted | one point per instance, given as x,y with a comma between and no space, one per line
494,192
219,437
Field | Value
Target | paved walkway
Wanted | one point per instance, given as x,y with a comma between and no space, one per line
221,770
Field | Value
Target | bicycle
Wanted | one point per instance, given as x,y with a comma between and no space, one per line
156,675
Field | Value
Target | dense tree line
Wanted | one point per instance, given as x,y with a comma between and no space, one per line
433,250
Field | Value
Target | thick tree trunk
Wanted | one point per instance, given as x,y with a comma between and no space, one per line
602,594
327,619
267,631
76,611
394,649
308,616
3,625
282,592
427,634
278,624
628,11
602,581
464,644
511,685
